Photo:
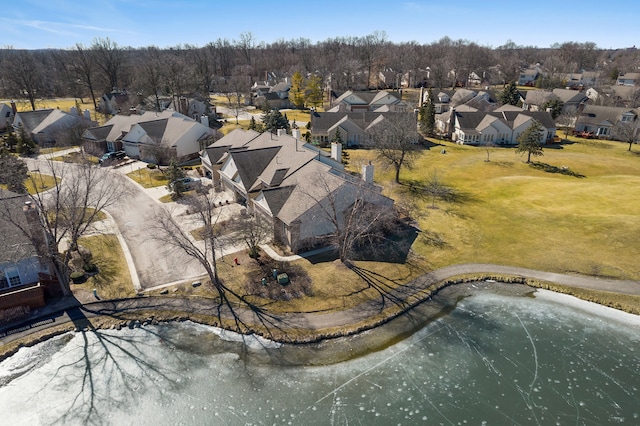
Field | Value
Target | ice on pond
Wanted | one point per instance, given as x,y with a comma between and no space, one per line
494,360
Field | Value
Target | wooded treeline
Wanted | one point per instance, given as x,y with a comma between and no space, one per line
87,71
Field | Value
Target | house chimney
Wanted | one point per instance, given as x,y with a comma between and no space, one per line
14,107
367,172
73,110
87,114
336,151
295,133
204,120
280,132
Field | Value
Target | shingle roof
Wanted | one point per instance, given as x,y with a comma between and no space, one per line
251,163
14,244
32,119
276,198
595,115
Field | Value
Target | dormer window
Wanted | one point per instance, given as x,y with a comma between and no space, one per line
626,118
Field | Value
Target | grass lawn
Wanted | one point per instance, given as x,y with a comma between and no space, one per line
515,214
39,182
149,178
113,279
77,157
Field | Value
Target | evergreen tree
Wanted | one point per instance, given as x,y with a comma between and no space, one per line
337,136
428,115
510,94
14,171
11,141
175,175
314,92
25,144
297,91
274,120
555,106
530,141
252,124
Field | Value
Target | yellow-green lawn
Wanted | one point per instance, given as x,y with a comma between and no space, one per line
514,214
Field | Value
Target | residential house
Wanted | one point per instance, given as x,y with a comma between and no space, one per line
500,127
536,99
48,126
602,120
6,116
116,102
582,79
289,183
156,137
277,97
21,253
446,99
359,101
529,76
353,126
629,79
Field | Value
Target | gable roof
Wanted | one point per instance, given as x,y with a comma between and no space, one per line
32,119
597,115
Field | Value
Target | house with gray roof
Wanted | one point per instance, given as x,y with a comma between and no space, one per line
500,127
48,126
287,182
21,252
602,120
155,137
354,127
536,99
362,101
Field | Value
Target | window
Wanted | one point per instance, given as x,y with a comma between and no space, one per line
626,118
10,277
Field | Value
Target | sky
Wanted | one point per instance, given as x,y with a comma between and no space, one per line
38,24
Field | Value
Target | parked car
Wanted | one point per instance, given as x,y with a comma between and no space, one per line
188,183
109,155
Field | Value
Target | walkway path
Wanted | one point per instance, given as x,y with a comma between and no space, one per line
68,310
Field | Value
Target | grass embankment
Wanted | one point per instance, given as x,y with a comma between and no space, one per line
38,182
511,213
113,279
77,157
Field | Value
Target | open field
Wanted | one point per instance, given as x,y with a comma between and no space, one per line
514,214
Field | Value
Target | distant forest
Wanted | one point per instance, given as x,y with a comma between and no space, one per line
88,71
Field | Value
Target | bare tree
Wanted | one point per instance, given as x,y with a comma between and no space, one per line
80,194
252,230
567,119
25,74
395,140
206,216
110,60
627,131
352,212
84,64
151,76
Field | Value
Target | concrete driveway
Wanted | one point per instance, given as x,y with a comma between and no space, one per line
157,264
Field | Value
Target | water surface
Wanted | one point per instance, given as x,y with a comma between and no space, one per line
495,359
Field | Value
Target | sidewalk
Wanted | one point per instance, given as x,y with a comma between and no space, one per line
313,322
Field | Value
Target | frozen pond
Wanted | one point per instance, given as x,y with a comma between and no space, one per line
495,359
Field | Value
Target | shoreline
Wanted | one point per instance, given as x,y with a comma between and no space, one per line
427,305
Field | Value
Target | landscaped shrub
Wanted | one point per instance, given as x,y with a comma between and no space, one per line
90,267
77,277
151,166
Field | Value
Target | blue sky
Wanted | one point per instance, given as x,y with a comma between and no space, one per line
34,24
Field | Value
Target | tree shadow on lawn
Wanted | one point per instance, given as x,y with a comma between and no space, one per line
548,168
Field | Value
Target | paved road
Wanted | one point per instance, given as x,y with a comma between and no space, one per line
69,310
